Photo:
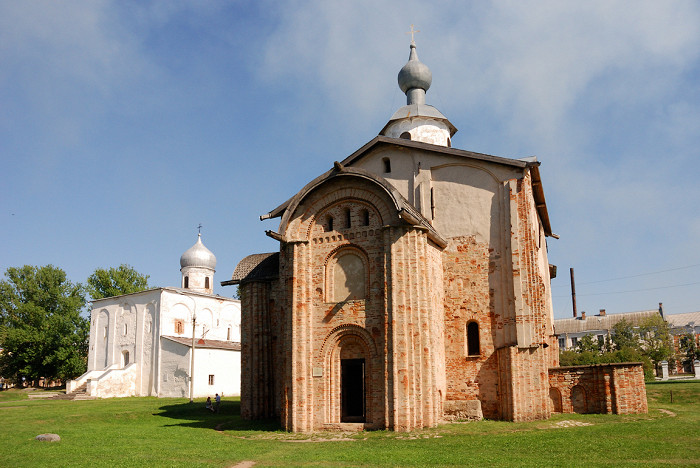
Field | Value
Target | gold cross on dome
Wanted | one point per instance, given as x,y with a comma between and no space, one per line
412,32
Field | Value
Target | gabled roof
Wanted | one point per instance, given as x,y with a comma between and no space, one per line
600,322
382,141
202,343
256,267
189,292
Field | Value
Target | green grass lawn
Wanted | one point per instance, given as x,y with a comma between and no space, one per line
173,432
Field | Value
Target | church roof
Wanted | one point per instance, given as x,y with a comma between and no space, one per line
381,141
202,343
256,267
600,322
419,110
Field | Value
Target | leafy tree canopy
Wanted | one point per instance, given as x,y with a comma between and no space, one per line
41,331
115,282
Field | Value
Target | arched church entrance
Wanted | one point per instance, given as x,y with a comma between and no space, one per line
352,381
350,356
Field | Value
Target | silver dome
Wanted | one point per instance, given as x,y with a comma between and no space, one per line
198,256
415,74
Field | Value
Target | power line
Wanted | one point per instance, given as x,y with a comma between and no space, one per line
634,276
635,290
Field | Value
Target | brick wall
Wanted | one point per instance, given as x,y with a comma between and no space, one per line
602,388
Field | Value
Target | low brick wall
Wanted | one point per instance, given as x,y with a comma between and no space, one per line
601,388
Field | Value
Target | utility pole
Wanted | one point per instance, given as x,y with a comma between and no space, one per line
573,290
194,324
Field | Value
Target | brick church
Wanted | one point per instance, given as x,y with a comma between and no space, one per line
411,286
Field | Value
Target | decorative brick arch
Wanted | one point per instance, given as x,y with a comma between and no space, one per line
356,183
316,213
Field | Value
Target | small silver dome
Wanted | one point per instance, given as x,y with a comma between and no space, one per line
198,256
415,74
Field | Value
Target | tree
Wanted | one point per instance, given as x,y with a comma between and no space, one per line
624,336
655,337
41,331
115,282
688,350
588,344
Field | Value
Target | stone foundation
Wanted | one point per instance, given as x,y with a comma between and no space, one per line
462,410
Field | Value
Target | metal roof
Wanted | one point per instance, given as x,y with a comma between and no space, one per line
600,323
684,320
202,343
256,267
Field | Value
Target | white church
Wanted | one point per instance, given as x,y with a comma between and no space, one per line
141,344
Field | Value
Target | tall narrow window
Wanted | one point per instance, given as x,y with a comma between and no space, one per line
432,202
126,329
330,223
387,165
228,334
211,379
365,217
473,339
348,221
179,327
187,282
206,283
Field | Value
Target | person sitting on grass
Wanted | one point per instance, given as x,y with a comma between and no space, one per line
208,405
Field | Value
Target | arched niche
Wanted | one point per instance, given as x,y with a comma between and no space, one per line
578,399
555,400
346,275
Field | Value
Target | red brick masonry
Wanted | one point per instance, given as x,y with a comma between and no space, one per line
600,388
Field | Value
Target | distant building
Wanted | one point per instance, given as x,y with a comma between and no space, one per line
569,331
684,324
141,343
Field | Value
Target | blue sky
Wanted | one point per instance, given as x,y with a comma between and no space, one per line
125,124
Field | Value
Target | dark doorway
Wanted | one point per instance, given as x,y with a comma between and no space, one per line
352,390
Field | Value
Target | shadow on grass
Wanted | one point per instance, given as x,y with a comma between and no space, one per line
228,418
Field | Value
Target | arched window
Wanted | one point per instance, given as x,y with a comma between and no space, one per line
405,136
329,223
348,277
387,165
473,348
206,282
179,327
365,217
449,142
187,282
